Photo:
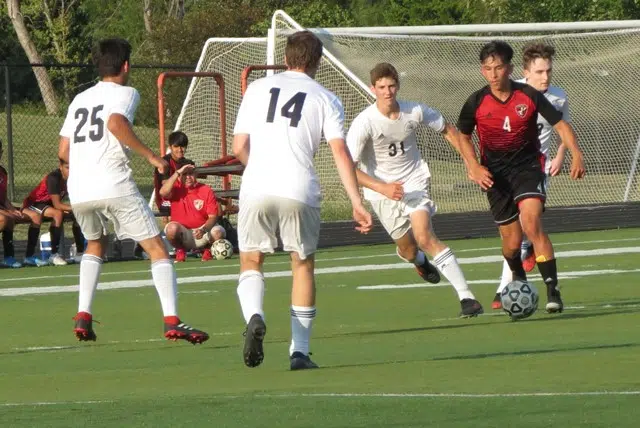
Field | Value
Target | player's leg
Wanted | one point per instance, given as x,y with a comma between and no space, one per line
34,215
55,230
527,252
443,258
79,240
180,238
257,225
398,226
216,233
92,226
6,227
505,215
300,232
132,218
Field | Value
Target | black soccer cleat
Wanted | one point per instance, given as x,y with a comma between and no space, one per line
253,352
182,331
299,361
470,308
83,329
554,300
428,272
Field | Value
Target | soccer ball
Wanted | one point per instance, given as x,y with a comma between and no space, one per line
519,299
222,249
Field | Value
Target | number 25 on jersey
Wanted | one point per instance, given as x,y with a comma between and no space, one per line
292,109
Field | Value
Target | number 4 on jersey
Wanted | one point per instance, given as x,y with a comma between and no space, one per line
292,109
507,124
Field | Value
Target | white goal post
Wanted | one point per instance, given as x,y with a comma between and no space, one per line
596,63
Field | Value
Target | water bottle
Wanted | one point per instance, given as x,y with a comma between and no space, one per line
72,251
45,246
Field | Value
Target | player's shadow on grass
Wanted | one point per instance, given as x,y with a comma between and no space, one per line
578,315
403,330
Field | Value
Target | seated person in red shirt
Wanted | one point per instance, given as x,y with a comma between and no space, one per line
46,201
194,212
8,215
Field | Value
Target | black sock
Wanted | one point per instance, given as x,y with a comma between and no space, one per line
56,233
549,272
515,264
32,239
78,237
7,243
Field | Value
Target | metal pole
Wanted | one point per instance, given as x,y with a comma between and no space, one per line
11,182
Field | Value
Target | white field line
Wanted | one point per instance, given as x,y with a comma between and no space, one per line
24,291
339,395
561,276
319,260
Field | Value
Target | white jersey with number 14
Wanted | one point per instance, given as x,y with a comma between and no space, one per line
98,163
285,116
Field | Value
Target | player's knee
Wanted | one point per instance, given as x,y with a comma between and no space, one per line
217,233
532,226
5,223
57,216
172,230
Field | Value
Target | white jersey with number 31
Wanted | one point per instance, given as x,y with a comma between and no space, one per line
558,98
387,149
285,116
98,163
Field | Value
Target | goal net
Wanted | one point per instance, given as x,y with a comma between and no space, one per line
596,68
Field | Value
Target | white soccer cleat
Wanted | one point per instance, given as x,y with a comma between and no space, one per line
57,260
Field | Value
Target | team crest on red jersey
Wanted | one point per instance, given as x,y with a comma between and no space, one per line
198,203
521,109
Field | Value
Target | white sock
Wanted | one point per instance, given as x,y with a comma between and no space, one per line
301,321
418,261
448,265
251,293
507,277
164,278
90,267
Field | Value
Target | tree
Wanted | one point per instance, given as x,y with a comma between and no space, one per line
42,77
146,14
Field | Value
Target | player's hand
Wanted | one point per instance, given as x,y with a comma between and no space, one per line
556,165
363,218
186,169
577,170
481,176
198,233
159,163
393,191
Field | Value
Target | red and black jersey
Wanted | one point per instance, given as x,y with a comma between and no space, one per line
507,130
52,184
4,176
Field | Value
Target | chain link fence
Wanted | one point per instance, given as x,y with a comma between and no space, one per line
29,126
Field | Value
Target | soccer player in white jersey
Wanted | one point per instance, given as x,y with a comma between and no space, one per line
382,138
95,139
537,61
277,133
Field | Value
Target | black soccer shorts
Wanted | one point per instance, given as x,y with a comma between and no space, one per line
512,186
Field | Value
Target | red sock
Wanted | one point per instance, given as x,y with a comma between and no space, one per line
172,319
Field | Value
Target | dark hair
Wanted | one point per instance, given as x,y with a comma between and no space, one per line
381,70
110,55
182,162
534,51
303,50
497,48
178,138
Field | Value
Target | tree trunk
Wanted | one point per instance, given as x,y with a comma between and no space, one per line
146,14
44,83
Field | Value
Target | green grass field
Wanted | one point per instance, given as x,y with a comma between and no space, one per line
392,357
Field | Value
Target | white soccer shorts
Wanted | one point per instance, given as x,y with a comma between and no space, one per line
131,217
259,219
190,242
395,216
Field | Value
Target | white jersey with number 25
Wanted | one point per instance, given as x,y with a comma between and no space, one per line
387,149
98,163
285,116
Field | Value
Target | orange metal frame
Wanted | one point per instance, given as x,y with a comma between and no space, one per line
244,78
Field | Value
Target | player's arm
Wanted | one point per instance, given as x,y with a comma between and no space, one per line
241,144
564,130
358,138
53,189
121,128
244,124
166,190
466,124
63,149
556,163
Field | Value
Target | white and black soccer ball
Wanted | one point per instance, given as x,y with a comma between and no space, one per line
222,249
519,299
